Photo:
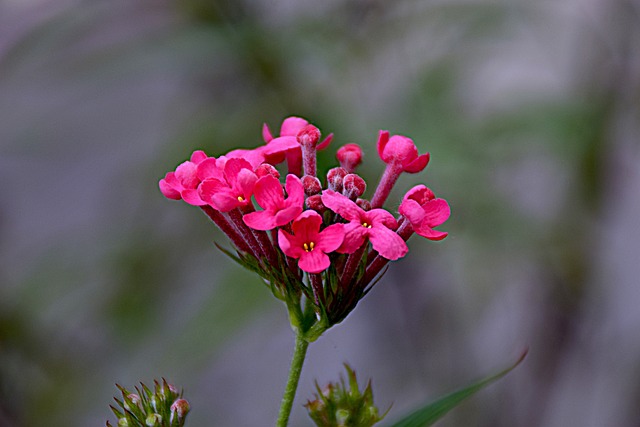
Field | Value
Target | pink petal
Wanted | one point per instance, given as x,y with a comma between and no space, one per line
255,157
418,164
380,217
198,156
330,238
186,174
268,193
246,182
266,133
295,191
292,125
436,211
209,187
430,233
191,196
225,202
342,205
261,220
280,145
354,235
307,223
209,168
286,215
325,142
383,139
314,261
168,190
288,244
388,244
411,210
233,167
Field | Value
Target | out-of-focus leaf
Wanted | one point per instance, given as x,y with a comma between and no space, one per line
432,412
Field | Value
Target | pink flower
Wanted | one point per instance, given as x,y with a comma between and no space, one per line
377,225
309,244
424,211
287,145
400,150
233,190
278,211
183,183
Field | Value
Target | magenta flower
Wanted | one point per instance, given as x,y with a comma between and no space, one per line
183,183
277,211
309,244
234,190
400,150
421,207
287,145
377,225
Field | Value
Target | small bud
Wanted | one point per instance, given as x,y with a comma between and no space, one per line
353,186
153,420
311,185
315,203
349,156
364,204
123,422
181,408
267,169
334,179
308,136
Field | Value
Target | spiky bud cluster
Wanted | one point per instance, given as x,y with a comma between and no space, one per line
161,407
343,404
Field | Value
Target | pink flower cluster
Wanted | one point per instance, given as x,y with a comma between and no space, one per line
324,229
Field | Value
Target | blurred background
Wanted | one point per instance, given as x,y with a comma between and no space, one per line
530,111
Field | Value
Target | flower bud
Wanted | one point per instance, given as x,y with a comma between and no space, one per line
267,169
334,179
315,203
153,420
309,136
311,185
181,408
364,204
349,156
353,186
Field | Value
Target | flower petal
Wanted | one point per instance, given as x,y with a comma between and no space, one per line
437,211
198,156
388,244
430,233
411,210
325,142
268,192
209,168
191,196
186,174
314,261
354,235
383,139
418,164
307,225
381,217
261,220
286,215
295,191
330,238
167,189
289,244
342,205
292,125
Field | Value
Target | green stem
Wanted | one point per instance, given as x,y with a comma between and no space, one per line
292,383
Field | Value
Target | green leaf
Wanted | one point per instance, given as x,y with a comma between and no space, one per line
432,412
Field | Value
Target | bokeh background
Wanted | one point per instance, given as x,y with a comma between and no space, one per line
530,111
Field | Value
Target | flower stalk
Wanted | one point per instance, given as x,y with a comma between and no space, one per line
299,355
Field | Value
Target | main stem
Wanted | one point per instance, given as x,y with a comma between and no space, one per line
292,383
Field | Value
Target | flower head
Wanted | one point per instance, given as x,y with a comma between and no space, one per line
421,207
277,211
309,244
377,225
183,183
234,190
400,150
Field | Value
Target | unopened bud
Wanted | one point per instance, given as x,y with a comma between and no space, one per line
181,408
308,136
353,186
311,185
267,169
364,204
349,156
123,422
334,179
315,203
153,420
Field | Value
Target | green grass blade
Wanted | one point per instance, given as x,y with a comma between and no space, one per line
432,412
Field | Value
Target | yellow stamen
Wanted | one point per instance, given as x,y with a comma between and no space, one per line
240,199
365,225
308,247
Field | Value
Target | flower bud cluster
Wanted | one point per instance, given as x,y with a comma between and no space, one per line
315,239
344,405
161,407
